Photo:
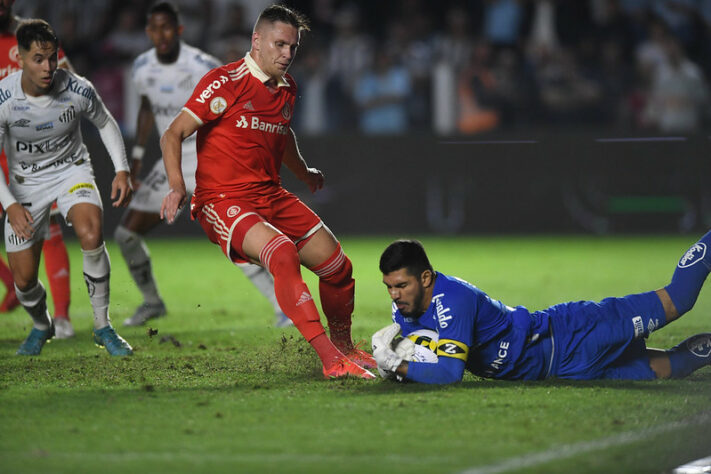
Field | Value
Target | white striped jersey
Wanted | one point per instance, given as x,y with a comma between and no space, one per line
41,135
169,86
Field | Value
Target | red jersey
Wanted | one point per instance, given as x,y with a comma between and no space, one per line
245,128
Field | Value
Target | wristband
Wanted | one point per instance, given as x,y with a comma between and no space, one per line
137,152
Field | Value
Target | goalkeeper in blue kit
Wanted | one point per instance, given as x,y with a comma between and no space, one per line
576,340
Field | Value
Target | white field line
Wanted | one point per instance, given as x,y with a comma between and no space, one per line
569,450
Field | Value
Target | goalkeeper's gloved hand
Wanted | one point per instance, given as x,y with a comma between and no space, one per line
388,361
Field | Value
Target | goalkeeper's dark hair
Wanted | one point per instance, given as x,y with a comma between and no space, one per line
274,13
408,254
35,30
167,8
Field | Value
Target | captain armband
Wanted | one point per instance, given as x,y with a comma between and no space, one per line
452,348
137,152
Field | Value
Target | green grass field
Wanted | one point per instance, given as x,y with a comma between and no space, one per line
218,389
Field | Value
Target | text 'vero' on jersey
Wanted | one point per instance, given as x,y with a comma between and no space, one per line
41,136
244,130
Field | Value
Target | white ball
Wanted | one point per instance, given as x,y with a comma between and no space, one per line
418,346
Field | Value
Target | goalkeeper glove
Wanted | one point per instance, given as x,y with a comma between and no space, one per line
388,361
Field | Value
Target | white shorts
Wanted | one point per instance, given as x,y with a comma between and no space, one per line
75,186
150,194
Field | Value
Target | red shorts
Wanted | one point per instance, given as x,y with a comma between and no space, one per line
227,220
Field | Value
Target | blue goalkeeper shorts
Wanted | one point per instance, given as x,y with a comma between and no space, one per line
604,340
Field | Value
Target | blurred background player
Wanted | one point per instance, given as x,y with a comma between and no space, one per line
164,77
56,260
40,115
242,114
577,340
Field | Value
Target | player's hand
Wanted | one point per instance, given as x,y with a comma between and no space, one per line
172,202
20,220
121,189
314,179
388,361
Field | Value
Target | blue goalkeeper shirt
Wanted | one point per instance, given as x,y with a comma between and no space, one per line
479,334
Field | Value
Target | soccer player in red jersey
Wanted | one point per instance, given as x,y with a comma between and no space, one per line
242,113
56,260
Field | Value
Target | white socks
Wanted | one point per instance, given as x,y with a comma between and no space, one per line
34,301
136,255
97,270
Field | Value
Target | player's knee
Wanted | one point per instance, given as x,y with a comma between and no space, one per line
336,270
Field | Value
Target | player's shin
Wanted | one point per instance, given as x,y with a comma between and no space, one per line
34,301
97,270
56,263
690,355
690,274
282,259
138,259
337,290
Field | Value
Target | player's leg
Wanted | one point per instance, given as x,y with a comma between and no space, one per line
56,264
264,282
682,359
129,237
277,253
10,301
32,296
323,255
688,278
86,218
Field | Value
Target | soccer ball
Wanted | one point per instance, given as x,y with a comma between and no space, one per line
418,346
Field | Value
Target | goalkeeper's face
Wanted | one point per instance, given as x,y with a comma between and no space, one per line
410,293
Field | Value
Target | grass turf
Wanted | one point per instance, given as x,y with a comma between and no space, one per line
218,389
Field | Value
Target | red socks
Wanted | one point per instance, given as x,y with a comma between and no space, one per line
281,258
337,290
56,264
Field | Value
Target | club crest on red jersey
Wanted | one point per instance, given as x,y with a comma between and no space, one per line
218,105
286,112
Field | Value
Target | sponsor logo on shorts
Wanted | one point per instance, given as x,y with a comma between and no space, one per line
652,325
218,105
700,345
80,186
638,326
693,255
233,211
15,240
210,89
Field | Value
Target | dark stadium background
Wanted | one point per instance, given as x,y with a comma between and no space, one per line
523,116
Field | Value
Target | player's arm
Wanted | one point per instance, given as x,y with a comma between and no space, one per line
121,189
144,126
171,144
295,162
448,369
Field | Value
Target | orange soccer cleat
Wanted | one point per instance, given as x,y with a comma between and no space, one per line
360,357
345,367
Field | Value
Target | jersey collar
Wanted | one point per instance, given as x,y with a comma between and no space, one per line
259,74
